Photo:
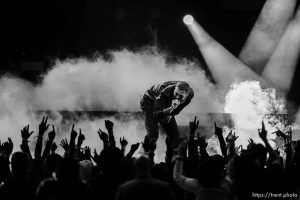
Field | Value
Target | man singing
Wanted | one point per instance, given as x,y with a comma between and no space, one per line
160,104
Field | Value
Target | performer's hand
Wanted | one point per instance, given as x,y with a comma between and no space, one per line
175,103
174,110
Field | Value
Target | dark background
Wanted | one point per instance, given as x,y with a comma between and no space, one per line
33,32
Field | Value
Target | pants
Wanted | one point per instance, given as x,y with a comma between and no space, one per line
168,123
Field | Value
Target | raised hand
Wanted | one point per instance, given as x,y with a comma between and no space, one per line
51,134
202,141
109,125
193,126
174,109
152,144
279,133
87,152
7,147
218,131
73,133
145,143
123,142
103,136
43,126
231,138
10,146
134,147
80,139
262,132
251,142
239,149
289,136
149,144
96,157
53,148
25,133
64,144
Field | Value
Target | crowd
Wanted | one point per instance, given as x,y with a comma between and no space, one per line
192,173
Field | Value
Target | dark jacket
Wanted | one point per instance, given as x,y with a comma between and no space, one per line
159,97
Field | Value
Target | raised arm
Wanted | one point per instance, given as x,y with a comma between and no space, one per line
133,149
187,184
6,148
202,144
65,145
219,134
25,133
192,143
263,135
51,136
123,143
80,140
104,137
288,149
73,136
39,144
109,125
230,140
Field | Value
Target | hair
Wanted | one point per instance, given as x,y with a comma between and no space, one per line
19,164
182,85
67,170
210,170
142,165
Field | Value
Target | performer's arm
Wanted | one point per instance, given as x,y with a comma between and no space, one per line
161,104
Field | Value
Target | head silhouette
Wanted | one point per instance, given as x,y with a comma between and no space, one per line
67,170
50,164
142,166
210,170
19,165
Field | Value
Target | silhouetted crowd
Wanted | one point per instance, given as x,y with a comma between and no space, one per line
256,172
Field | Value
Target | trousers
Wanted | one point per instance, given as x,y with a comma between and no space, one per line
168,123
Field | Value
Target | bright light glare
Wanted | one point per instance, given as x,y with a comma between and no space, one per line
188,19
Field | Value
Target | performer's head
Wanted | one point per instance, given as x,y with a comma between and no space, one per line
182,89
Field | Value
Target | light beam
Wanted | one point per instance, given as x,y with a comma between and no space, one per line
266,33
224,66
281,67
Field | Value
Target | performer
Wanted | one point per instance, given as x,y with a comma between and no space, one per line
160,104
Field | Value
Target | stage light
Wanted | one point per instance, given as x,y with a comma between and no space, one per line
223,65
188,19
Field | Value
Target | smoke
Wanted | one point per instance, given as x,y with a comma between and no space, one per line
250,105
118,84
296,133
98,85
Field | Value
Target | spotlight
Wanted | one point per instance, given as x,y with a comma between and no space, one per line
188,19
